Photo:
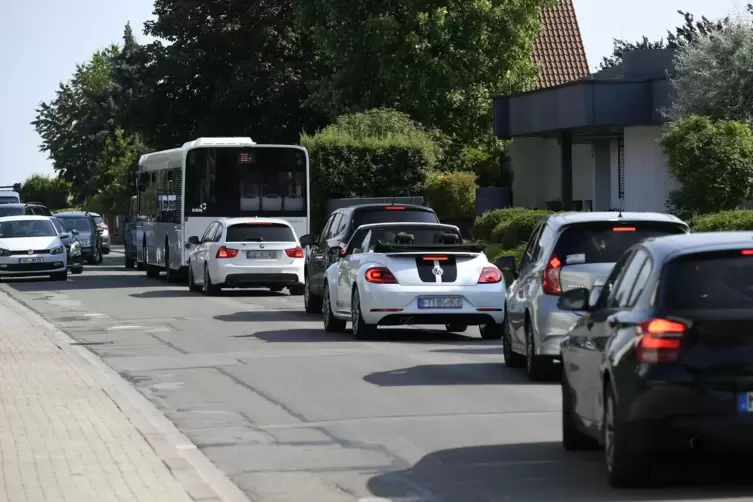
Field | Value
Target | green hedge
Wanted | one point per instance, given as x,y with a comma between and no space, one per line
507,227
452,195
373,154
724,221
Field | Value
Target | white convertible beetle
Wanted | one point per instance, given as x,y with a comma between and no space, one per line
394,274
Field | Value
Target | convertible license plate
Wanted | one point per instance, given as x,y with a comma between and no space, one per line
440,302
24,261
745,402
261,255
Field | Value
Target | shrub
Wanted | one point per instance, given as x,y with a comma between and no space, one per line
486,224
452,195
712,161
511,233
724,221
371,154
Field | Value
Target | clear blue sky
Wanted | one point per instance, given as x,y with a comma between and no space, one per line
42,40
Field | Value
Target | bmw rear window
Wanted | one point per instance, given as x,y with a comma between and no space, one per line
605,242
255,232
709,281
393,214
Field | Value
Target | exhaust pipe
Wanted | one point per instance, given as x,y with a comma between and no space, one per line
406,320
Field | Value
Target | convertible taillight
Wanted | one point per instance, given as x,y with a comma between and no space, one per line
490,275
380,275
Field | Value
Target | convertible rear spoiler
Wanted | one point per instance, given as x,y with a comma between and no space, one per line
422,249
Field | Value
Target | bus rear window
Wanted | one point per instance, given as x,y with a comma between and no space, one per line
254,232
393,214
713,281
605,242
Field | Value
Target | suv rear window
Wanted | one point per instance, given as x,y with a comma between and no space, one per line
98,219
11,210
605,242
80,223
396,215
712,281
255,232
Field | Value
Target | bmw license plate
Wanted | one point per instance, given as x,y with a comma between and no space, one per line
261,255
440,302
745,402
25,261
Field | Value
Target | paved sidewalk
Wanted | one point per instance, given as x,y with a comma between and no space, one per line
61,437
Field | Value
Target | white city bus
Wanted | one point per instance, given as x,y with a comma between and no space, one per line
181,191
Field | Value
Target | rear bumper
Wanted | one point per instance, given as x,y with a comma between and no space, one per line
394,304
677,413
239,275
551,325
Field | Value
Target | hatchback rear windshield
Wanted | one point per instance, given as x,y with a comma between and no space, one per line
712,281
254,232
605,242
80,223
397,215
98,220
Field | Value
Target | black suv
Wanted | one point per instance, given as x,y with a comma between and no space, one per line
338,231
89,235
24,209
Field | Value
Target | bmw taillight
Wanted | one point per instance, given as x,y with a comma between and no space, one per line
294,253
380,275
224,252
660,341
551,278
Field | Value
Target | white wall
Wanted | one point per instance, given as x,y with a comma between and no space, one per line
537,175
647,180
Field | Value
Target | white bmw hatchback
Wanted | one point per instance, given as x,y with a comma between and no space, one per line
246,253
30,246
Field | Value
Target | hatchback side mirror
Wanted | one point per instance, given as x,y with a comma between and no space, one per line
74,231
309,240
65,235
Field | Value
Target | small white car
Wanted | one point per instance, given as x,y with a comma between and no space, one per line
30,246
246,252
396,274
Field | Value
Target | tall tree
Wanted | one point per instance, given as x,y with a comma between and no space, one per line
228,68
74,126
713,76
439,61
690,31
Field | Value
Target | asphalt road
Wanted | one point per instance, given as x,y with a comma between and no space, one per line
292,413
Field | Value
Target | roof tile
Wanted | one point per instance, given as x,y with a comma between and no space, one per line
558,51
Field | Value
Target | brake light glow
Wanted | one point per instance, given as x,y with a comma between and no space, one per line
551,279
395,208
436,258
623,229
490,275
224,252
747,252
294,253
660,341
380,275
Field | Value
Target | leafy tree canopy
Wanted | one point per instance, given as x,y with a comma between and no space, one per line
691,30
438,61
713,76
712,161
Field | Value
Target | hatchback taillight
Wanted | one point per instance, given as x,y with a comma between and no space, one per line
490,275
551,276
660,341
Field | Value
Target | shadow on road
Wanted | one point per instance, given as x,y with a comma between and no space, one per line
490,349
318,334
543,472
164,293
267,315
76,282
450,374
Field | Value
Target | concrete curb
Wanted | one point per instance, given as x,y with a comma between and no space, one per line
201,479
